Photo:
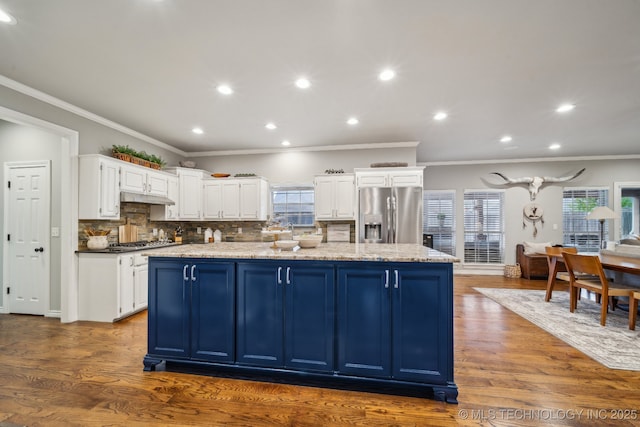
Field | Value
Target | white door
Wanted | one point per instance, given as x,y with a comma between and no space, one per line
28,230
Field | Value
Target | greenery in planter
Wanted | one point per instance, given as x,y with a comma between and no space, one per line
157,159
125,149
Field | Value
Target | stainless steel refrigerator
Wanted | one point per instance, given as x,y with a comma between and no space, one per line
390,215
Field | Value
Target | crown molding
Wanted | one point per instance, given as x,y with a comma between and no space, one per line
41,96
531,160
410,144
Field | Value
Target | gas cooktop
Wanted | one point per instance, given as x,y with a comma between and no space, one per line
132,246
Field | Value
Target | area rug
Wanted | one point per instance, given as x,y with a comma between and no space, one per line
613,345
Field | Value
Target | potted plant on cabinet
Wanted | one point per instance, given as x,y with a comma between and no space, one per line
122,152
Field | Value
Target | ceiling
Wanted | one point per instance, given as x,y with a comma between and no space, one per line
497,67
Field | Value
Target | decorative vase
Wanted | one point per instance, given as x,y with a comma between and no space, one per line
96,243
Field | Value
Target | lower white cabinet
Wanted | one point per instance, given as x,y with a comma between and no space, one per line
112,286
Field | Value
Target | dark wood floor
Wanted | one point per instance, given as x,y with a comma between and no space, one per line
508,371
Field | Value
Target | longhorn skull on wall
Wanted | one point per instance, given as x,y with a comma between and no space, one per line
536,182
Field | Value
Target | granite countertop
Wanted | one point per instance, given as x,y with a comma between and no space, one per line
401,252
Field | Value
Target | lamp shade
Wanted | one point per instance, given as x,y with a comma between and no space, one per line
602,212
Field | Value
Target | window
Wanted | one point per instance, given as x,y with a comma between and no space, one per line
484,227
439,219
577,230
293,205
629,206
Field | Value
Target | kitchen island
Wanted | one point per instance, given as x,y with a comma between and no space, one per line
355,316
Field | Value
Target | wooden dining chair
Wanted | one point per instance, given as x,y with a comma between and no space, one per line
633,309
553,252
578,265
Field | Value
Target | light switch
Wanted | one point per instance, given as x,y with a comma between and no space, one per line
55,231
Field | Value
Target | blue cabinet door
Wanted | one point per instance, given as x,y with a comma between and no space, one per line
212,310
309,317
422,322
168,310
259,319
364,322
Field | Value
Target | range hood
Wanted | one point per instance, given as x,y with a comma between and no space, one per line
149,199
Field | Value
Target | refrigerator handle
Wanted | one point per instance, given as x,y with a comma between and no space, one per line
389,219
394,208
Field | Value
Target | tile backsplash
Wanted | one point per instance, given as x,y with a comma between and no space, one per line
138,215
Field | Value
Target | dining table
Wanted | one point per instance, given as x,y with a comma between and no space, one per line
609,261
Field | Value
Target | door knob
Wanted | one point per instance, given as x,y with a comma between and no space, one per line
39,249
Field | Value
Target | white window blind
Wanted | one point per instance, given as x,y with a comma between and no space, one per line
484,227
439,219
293,205
578,231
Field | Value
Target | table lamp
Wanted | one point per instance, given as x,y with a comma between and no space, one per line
601,213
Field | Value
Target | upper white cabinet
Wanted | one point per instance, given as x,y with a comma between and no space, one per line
99,192
141,180
254,198
168,212
190,193
335,197
390,177
232,199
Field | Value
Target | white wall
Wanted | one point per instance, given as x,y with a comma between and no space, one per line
599,173
21,143
299,167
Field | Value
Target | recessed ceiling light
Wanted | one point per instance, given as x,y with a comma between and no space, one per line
386,75
303,83
285,143
197,131
5,18
271,126
353,121
554,146
565,108
225,89
506,138
441,115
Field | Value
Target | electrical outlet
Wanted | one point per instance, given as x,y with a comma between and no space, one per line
239,230
55,231
154,232
199,230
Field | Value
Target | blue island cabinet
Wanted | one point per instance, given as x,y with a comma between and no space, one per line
285,315
191,310
367,325
395,321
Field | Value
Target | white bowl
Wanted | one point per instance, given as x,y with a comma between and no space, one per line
286,245
309,240
187,163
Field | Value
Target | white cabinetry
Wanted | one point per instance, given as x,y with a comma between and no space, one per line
390,177
233,199
168,212
190,193
254,198
99,194
141,180
111,286
335,197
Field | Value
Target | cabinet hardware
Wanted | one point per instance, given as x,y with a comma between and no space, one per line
193,276
396,274
279,275
184,273
288,275
386,278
